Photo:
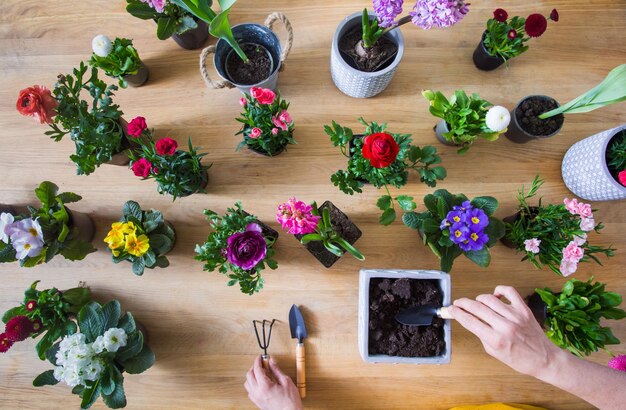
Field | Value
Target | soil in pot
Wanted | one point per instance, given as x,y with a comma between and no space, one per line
377,58
259,67
387,336
342,225
617,139
528,112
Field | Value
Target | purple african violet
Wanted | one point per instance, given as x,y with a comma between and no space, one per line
246,249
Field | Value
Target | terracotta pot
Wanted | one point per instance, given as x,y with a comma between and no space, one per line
84,223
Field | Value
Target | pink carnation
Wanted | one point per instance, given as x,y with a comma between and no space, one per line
285,117
584,210
532,245
571,205
573,251
579,240
587,224
568,266
255,132
618,363
278,123
243,102
296,217
274,131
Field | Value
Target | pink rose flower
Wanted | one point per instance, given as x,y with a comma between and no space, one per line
587,224
573,251
243,102
622,177
278,123
579,240
263,95
568,266
571,205
285,117
274,131
255,133
532,245
584,210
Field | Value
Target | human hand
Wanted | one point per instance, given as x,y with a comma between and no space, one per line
271,389
508,332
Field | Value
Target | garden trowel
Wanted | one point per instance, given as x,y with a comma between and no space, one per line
422,315
298,331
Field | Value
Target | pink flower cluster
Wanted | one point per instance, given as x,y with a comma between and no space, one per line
618,363
296,217
587,223
573,252
282,121
158,5
438,13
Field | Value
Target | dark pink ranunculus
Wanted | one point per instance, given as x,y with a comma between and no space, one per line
246,249
136,127
166,146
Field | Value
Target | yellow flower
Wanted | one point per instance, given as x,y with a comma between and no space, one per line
137,245
115,237
128,227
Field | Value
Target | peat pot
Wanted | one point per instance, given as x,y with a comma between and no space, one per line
483,60
372,284
354,82
139,79
525,123
259,42
194,38
585,170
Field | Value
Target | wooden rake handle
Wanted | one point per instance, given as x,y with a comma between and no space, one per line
265,359
300,370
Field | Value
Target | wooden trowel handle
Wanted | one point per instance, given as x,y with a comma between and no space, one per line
300,372
444,313
265,358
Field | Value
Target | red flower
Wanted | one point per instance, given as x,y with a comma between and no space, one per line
5,343
166,146
31,305
19,328
622,177
512,34
37,326
136,127
381,149
554,15
142,167
536,25
263,95
37,101
501,15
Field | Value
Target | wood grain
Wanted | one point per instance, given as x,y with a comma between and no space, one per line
200,330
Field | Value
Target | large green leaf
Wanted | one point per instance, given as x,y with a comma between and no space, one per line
220,27
166,27
127,322
46,193
134,344
140,10
77,296
132,208
91,321
111,314
69,197
161,244
140,363
117,399
481,258
387,217
11,313
90,395
488,204
76,250
45,379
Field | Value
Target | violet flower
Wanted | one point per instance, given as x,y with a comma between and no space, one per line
438,13
246,249
387,11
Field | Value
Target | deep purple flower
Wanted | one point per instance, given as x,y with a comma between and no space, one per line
438,13
475,241
455,217
387,11
459,233
477,219
246,249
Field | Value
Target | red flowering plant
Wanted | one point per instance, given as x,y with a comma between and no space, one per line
506,38
267,126
177,172
383,159
46,312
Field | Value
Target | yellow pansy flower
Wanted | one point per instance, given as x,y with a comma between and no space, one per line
137,245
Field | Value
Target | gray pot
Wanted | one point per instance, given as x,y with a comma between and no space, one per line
440,129
364,289
517,134
139,79
585,171
361,84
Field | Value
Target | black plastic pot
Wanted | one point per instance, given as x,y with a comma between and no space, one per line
139,79
538,307
265,229
6,209
483,60
260,151
518,134
511,219
193,39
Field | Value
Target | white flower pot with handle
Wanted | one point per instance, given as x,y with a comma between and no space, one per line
585,170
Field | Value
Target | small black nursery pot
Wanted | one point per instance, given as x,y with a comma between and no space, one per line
525,123
483,60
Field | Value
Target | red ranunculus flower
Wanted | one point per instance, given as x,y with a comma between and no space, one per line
5,343
37,101
142,167
136,127
501,15
381,149
554,15
166,146
31,305
535,25
262,95
622,177
19,328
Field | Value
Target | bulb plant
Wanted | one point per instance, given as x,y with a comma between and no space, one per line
141,237
239,247
554,235
452,226
117,58
383,159
467,118
170,18
616,156
47,313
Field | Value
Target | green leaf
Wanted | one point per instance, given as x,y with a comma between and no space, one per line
69,197
127,322
47,340
91,321
76,250
166,27
481,258
387,217
488,204
117,399
406,203
132,208
134,344
11,313
46,193
442,208
411,219
52,352
430,226
45,379
495,230
140,363
140,10
160,243
111,314
107,384
220,27
138,266
77,296
384,202
90,395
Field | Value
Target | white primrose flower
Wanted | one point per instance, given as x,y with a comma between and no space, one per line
59,373
98,345
72,376
497,118
114,339
92,371
71,341
5,220
80,355
101,45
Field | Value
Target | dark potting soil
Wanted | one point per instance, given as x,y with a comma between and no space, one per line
378,57
343,226
387,336
258,68
528,116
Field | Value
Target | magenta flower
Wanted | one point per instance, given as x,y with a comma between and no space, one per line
618,363
274,131
438,13
255,132
285,117
246,249
279,124
243,102
296,217
387,11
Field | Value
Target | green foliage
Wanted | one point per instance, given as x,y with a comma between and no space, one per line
498,43
464,116
54,310
573,316
213,251
371,31
122,60
428,224
93,124
360,170
173,19
616,154
260,116
554,226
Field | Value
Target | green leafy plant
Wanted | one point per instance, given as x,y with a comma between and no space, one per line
501,43
388,164
172,19
573,316
452,226
121,61
610,91
466,117
616,155
93,125
53,310
141,237
110,344
220,252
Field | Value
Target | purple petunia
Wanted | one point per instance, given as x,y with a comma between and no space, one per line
438,13
387,11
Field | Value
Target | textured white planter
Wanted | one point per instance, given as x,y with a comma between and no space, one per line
364,298
585,171
361,84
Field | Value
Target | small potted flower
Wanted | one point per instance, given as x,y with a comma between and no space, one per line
572,317
553,235
178,173
383,159
539,116
141,237
326,232
506,38
267,126
93,360
47,231
172,21
367,47
47,313
240,244
95,125
465,119
118,59
452,226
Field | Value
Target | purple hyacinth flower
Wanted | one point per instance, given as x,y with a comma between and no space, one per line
477,219
459,233
387,11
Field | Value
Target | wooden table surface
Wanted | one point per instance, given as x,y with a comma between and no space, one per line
201,330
